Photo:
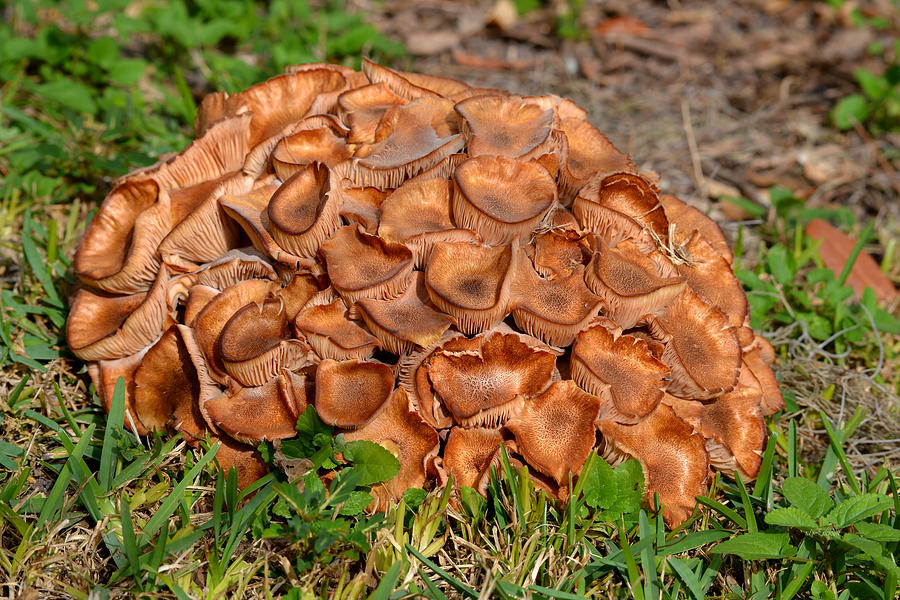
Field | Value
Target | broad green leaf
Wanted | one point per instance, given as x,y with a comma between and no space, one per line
127,71
807,496
630,487
790,517
757,546
413,497
867,547
70,94
849,111
780,264
878,532
356,502
600,485
858,508
872,85
373,462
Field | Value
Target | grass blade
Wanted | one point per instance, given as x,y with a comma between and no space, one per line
458,585
109,453
54,500
386,585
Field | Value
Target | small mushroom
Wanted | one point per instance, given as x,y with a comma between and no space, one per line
673,457
332,334
349,392
503,200
622,207
555,431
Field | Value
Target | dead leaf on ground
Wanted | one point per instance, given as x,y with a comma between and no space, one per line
835,250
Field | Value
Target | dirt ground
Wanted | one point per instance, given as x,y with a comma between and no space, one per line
718,98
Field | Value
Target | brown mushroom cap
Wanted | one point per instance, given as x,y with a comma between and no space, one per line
212,319
701,348
553,310
471,283
587,152
502,199
410,139
301,213
349,392
166,385
321,145
332,334
407,437
105,375
255,343
709,275
417,214
362,109
733,427
505,126
488,386
629,283
622,207
469,453
365,266
407,321
264,413
674,459
555,431
688,219
620,370
103,326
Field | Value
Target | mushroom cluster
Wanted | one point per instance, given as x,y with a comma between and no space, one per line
441,269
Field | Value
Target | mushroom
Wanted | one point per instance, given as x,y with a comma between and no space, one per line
396,250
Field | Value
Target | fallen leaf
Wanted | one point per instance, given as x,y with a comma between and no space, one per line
835,250
621,26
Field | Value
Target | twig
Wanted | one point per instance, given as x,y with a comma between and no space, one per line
699,180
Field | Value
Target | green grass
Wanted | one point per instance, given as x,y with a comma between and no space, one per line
87,511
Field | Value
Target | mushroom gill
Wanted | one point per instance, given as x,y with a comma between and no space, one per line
445,270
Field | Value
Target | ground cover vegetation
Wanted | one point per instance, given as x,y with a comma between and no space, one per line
89,91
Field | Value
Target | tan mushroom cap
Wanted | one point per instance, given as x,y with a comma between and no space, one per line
104,250
104,327
471,283
360,205
166,388
587,152
255,343
502,199
418,214
212,319
246,460
298,291
332,334
205,234
301,214
555,431
673,458
688,219
710,276
362,109
553,310
410,139
198,298
412,441
413,377
620,370
469,453
250,210
349,392
106,373
702,350
622,207
264,413
506,126
629,283
276,103
365,266
756,372
321,145
488,386
407,321
561,250
733,426
236,265
396,81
